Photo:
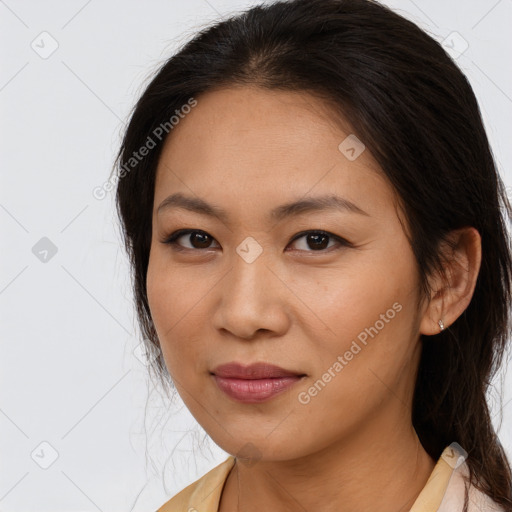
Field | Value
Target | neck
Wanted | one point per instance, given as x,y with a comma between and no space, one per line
382,468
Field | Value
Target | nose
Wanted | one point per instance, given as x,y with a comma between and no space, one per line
252,298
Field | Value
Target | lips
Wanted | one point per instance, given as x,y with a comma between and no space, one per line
255,383
253,371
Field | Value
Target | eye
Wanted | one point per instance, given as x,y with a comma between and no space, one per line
318,240
197,239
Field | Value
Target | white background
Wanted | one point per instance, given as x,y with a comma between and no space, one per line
69,376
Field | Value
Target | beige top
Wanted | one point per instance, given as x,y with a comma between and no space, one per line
443,492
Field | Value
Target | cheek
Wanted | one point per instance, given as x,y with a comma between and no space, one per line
369,318
175,305
354,299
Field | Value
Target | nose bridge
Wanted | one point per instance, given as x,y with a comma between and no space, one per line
248,280
249,267
250,298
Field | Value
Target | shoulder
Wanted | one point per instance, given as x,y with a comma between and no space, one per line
203,494
453,499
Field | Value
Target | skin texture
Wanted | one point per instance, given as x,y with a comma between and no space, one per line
352,446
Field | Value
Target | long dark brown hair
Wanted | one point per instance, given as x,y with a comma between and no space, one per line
417,114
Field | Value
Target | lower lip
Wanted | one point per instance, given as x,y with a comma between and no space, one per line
255,390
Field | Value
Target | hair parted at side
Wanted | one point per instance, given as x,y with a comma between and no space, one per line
417,114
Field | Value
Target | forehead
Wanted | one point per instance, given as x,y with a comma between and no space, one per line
253,143
256,122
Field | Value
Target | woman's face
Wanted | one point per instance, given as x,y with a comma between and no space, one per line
338,310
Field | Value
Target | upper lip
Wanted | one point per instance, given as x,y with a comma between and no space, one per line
236,370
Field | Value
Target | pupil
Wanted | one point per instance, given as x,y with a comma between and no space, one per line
315,239
196,237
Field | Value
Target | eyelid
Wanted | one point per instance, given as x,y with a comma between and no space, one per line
340,240
171,239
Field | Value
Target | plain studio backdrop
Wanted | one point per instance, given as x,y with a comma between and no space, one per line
75,432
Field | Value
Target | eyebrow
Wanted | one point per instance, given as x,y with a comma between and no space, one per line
294,208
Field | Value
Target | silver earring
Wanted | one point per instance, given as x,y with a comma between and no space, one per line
441,325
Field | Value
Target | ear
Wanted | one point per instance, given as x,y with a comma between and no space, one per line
451,293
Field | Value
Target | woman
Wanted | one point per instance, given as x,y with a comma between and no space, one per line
317,233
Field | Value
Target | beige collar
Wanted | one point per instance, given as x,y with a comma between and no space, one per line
443,492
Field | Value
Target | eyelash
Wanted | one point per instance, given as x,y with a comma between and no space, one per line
172,239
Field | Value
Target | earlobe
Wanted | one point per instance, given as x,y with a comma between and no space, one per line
461,254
